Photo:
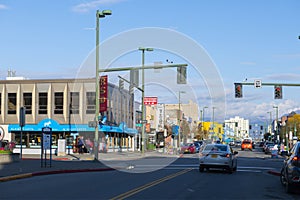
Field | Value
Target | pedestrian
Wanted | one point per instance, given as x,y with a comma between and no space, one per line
80,145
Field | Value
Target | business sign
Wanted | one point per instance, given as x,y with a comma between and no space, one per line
160,115
150,100
103,93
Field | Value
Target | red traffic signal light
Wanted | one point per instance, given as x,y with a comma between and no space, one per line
278,92
238,90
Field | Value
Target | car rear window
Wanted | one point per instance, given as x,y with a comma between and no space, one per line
215,148
246,142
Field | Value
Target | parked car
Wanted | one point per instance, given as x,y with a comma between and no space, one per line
266,144
290,172
270,148
188,148
246,144
217,156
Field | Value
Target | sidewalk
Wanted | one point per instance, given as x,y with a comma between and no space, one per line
31,165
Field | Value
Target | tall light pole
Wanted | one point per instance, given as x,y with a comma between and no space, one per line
179,117
213,120
276,107
143,95
99,14
202,118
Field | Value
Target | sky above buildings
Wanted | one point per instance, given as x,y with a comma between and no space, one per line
230,41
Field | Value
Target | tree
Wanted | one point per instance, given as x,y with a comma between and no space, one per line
185,130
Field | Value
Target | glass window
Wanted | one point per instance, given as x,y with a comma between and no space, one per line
27,98
74,103
43,103
90,102
12,103
58,103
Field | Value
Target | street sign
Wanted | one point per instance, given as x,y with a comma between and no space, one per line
143,121
257,83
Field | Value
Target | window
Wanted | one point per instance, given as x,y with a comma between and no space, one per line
12,103
74,103
43,103
90,102
27,98
58,103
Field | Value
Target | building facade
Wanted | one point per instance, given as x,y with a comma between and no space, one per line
67,106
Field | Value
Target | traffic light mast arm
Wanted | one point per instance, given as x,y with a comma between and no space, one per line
271,84
120,77
140,67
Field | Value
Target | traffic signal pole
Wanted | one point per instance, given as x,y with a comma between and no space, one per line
277,88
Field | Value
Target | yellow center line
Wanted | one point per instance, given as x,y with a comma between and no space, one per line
151,184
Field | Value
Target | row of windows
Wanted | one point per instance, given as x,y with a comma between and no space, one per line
43,103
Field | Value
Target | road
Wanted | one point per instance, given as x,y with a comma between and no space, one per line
179,180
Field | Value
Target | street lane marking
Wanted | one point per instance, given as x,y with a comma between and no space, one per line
148,185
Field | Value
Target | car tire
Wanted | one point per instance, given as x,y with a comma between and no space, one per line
235,167
289,188
230,170
201,169
282,177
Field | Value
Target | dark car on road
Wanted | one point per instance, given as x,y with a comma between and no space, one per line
290,172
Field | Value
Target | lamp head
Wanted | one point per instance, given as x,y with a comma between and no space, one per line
106,12
103,13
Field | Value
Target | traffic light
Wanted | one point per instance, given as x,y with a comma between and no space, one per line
181,75
238,90
278,92
121,84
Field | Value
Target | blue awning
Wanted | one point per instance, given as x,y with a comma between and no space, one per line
56,127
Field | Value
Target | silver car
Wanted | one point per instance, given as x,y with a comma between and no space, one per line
217,156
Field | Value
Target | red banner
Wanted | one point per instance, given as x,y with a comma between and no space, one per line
103,93
150,100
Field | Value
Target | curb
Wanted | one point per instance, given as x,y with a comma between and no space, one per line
27,175
274,173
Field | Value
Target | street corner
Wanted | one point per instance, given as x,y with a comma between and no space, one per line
14,177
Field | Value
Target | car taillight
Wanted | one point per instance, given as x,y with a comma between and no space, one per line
225,155
296,161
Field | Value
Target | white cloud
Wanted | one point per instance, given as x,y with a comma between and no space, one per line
248,63
92,5
3,7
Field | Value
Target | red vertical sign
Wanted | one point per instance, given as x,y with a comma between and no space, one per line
103,93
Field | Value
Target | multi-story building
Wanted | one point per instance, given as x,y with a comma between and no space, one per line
67,106
238,127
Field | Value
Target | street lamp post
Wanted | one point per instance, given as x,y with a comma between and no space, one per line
213,120
202,120
179,117
276,107
143,95
98,15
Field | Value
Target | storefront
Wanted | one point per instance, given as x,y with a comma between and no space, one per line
111,138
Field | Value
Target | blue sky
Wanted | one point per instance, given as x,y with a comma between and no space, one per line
250,39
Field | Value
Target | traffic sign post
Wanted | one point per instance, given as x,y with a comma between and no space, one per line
46,145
